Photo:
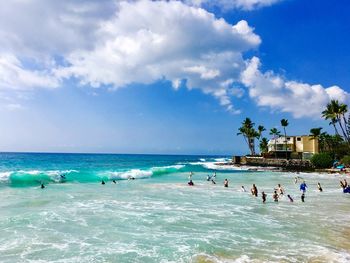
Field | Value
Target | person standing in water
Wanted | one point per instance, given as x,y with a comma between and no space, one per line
303,187
254,190
303,197
42,186
190,176
319,187
243,189
280,189
103,182
275,196
263,195
226,183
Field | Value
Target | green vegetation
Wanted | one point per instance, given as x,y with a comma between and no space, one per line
322,160
346,160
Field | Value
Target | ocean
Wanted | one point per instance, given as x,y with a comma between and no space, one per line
150,214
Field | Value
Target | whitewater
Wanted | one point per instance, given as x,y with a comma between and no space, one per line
146,212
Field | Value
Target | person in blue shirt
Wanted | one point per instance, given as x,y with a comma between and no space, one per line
303,187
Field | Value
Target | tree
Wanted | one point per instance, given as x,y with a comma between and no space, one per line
336,112
284,124
275,133
249,134
263,145
260,130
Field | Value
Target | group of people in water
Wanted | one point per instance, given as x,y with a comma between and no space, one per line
278,192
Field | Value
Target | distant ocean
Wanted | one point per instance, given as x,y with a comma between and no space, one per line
150,214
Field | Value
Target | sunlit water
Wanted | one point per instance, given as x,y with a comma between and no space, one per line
159,218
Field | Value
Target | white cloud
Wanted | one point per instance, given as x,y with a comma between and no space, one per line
233,4
13,76
300,99
167,40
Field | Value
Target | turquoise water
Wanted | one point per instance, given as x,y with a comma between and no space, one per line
157,217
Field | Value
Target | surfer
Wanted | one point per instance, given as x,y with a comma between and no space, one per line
263,195
290,198
226,183
319,187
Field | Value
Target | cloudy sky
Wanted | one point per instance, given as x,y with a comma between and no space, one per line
166,76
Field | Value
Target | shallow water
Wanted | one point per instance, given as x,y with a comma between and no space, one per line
158,218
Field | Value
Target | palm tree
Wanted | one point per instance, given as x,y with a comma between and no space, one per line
284,124
336,112
260,130
249,134
275,133
263,145
315,134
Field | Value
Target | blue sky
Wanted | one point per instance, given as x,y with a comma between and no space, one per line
166,76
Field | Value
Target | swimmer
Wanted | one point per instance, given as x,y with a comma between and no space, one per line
190,183
114,181
275,196
295,180
42,186
212,181
226,183
103,182
290,198
131,178
303,187
263,195
208,177
303,197
319,187
243,189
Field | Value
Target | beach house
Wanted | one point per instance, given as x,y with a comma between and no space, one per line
301,147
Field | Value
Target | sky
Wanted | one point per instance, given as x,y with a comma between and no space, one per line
166,77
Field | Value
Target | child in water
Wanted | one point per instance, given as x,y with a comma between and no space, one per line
275,196
226,183
263,195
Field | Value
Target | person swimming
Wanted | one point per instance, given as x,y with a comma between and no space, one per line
212,181
243,189
42,186
103,182
319,187
290,198
303,197
275,196
226,183
114,181
263,196
303,187
190,183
